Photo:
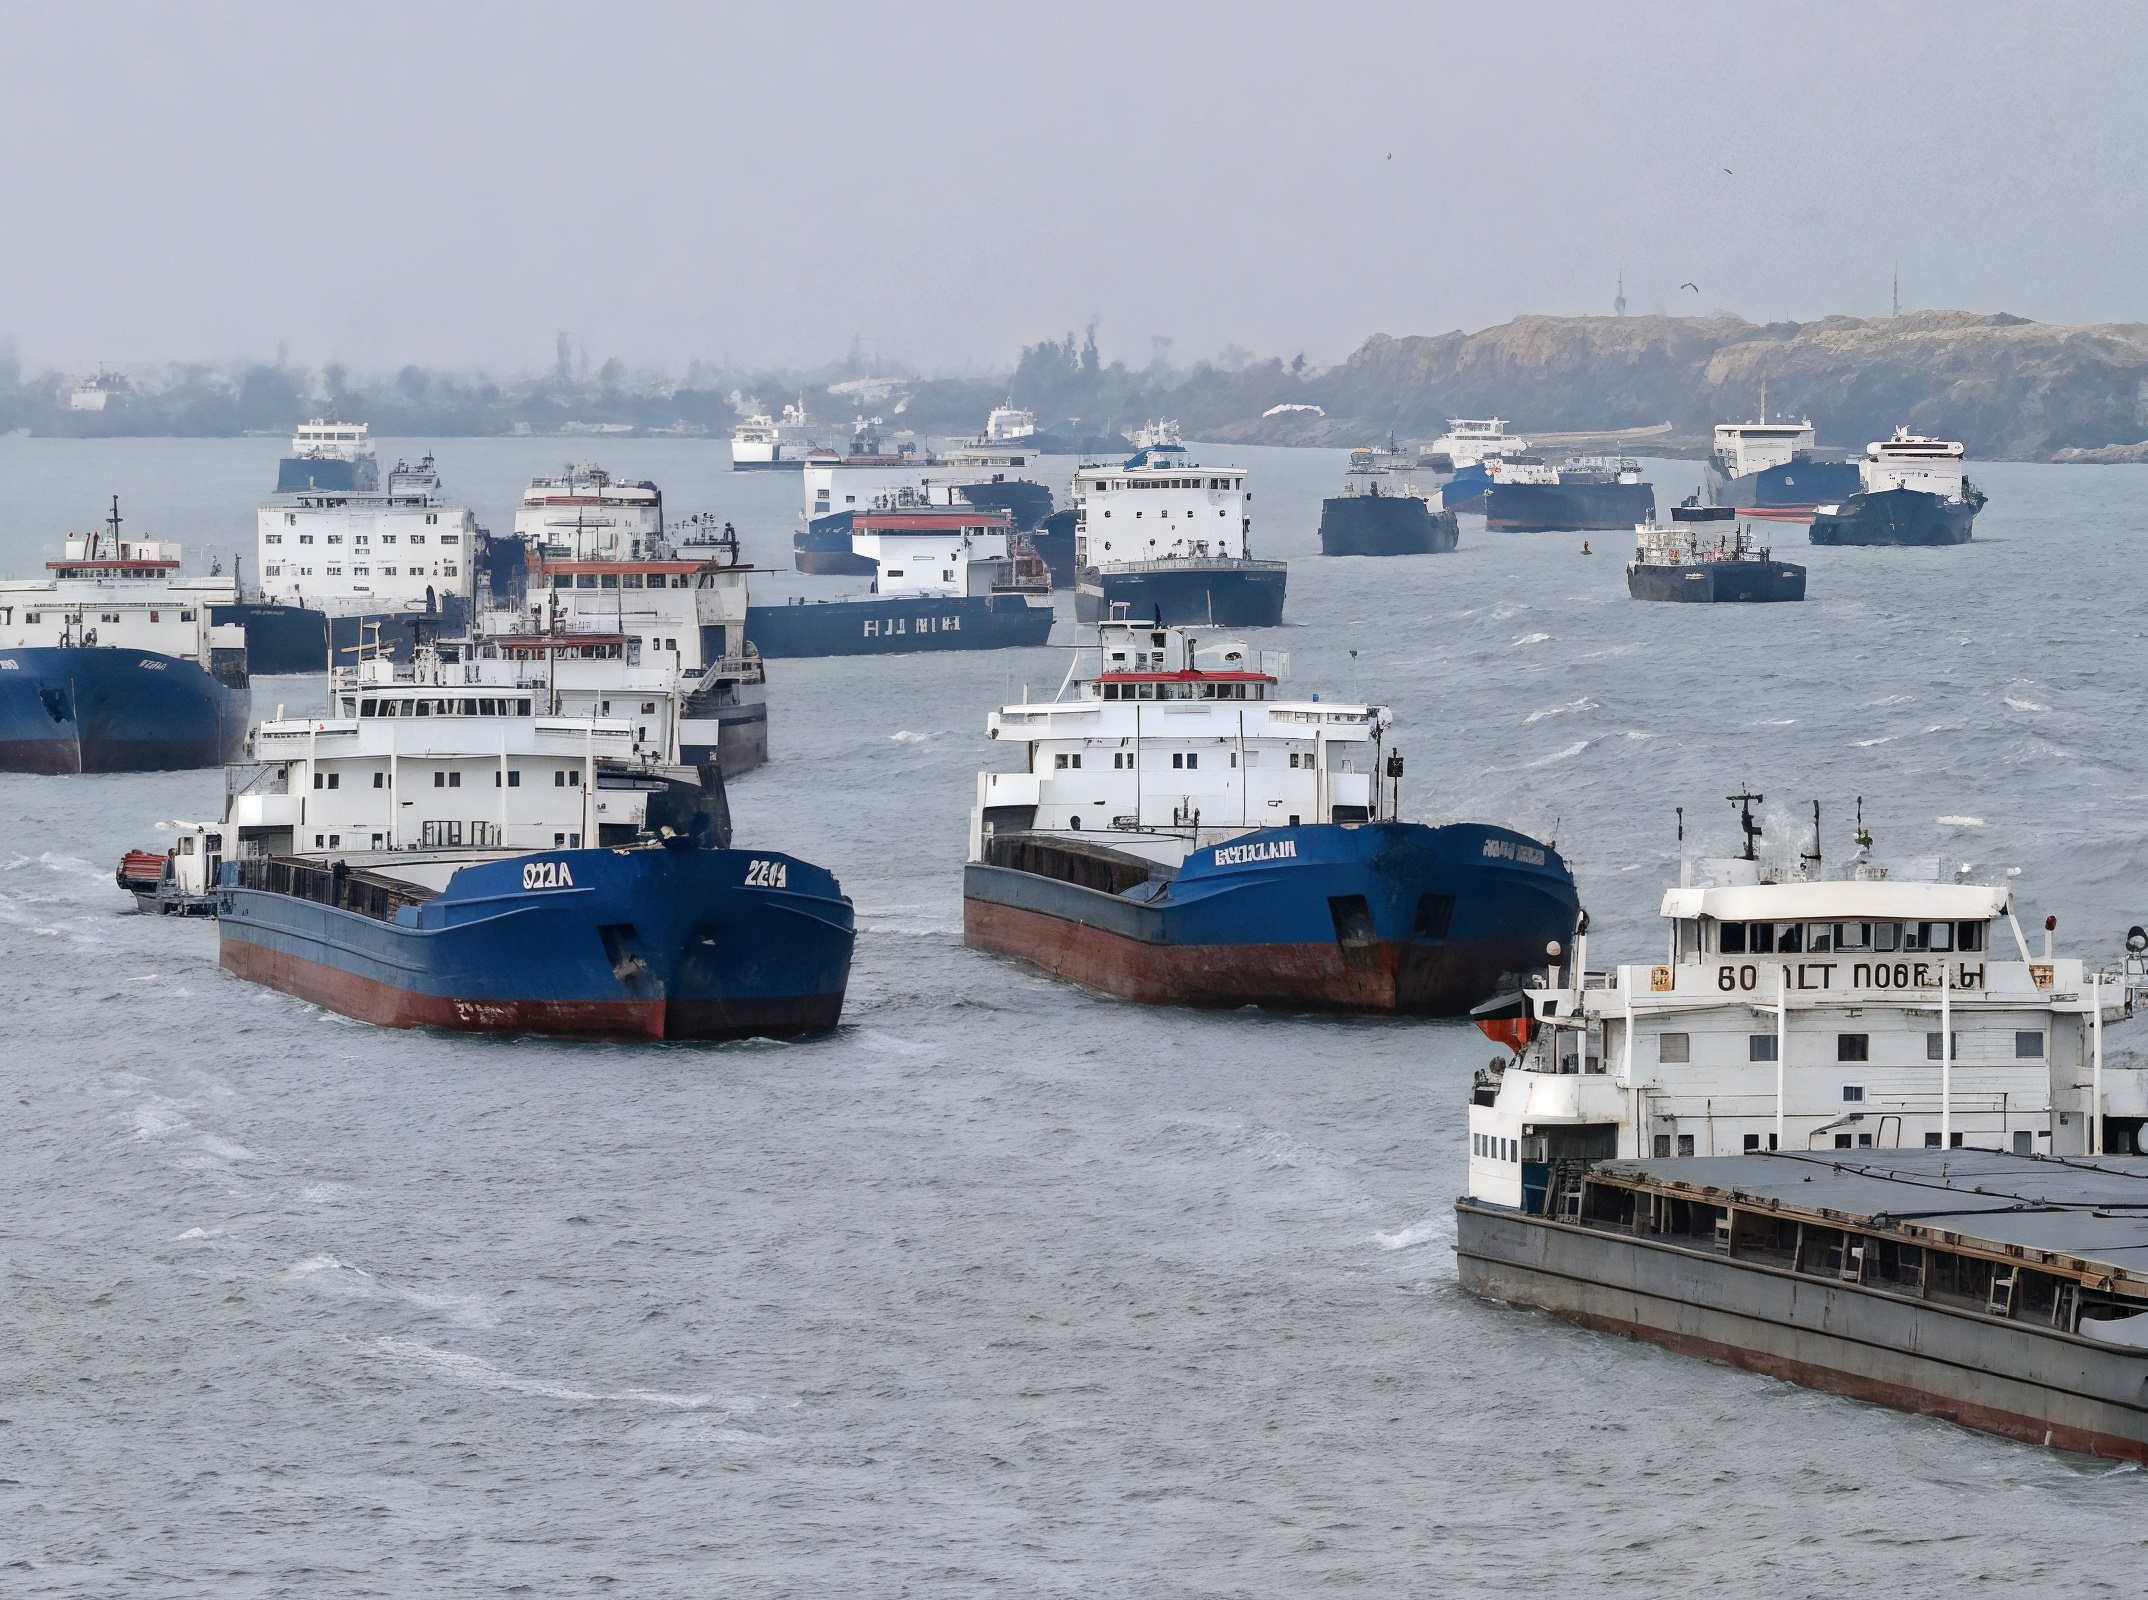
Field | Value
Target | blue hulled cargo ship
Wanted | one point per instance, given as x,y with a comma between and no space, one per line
1771,470
1182,835
1384,510
1914,493
1526,495
444,850
1162,536
113,664
945,577
647,941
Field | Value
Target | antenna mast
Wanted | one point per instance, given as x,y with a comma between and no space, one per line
1752,829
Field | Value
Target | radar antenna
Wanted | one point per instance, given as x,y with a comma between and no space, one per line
1746,802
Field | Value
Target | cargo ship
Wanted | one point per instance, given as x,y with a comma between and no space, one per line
1793,1010
945,577
1584,494
1708,554
988,472
1384,510
1179,833
1171,540
1771,470
1465,452
360,865
112,662
1847,1131
332,560
1914,493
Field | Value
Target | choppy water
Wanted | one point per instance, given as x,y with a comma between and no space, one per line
1004,1288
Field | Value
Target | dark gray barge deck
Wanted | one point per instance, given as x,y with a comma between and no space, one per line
2001,1292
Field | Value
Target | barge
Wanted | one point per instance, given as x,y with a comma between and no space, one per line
1707,555
1385,511
2002,1292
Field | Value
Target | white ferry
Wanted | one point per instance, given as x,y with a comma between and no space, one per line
1470,441
762,444
1010,424
1801,1012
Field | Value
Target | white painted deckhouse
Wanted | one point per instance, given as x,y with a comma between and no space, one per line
1854,1013
1162,753
346,551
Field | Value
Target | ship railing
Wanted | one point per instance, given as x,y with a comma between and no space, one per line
1189,564
337,884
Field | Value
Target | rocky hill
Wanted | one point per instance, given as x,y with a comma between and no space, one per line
2005,386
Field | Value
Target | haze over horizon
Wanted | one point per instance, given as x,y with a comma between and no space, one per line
382,184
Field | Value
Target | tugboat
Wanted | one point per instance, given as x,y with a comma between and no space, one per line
1168,538
945,577
1708,554
1383,511
1771,470
114,664
1180,834
1914,493
361,865
1525,495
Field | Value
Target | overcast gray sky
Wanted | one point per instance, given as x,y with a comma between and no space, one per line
451,184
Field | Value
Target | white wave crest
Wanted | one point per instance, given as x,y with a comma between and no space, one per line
482,1374
1415,1234
1573,749
2025,705
1532,638
1961,822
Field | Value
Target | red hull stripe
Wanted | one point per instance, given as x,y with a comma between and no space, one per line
1309,977
1875,1391
369,1000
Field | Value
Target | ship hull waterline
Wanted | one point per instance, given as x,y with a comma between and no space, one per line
634,943
1977,1372
69,709
1192,594
1385,525
1708,582
1378,919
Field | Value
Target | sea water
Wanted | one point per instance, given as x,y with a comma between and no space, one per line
1006,1288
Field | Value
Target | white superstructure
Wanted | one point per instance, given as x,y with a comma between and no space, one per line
585,514
855,482
1808,1013
120,593
1387,474
1911,461
1748,447
360,551
1468,441
1162,753
1010,424
1160,505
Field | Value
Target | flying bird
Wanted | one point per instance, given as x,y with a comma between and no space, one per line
1733,174
1693,286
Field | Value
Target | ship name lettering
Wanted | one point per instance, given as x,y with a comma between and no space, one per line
762,874
1742,978
546,875
1271,850
1826,970
1527,854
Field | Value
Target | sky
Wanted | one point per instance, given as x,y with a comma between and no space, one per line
934,185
